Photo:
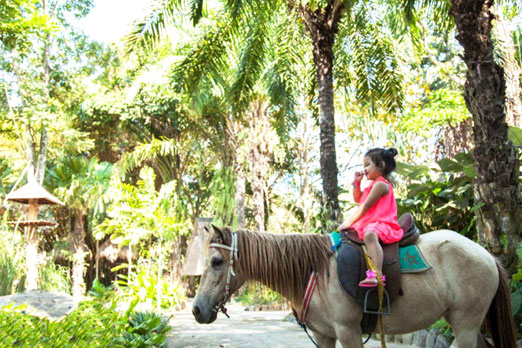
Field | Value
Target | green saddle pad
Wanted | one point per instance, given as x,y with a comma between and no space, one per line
412,260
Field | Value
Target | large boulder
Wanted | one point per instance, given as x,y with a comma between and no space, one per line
408,338
432,336
41,304
442,342
420,339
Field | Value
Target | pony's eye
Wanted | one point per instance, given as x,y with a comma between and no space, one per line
216,262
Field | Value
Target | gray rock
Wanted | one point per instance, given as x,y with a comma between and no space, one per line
441,342
42,304
408,338
420,338
397,339
290,318
453,344
432,336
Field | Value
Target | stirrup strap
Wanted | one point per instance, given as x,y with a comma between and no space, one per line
380,292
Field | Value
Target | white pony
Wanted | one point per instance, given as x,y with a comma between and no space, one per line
465,286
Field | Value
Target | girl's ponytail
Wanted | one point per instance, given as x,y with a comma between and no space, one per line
392,152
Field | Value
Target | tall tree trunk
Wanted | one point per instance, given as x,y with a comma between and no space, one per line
30,153
42,155
496,161
259,155
234,144
303,165
78,241
240,194
322,27
505,44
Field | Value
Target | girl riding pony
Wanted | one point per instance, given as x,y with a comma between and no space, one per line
375,219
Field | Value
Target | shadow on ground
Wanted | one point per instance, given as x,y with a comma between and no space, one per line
244,329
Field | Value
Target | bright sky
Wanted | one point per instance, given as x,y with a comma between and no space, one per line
110,20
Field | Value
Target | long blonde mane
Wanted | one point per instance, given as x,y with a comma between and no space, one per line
283,262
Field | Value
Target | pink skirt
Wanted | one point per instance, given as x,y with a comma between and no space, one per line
385,232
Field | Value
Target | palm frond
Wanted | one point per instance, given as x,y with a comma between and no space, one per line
240,8
378,81
196,11
409,14
249,69
148,151
147,32
207,59
437,10
286,57
282,78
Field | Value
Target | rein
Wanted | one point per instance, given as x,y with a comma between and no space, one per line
233,248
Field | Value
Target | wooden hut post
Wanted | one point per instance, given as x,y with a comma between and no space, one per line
31,247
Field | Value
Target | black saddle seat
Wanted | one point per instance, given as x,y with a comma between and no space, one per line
411,232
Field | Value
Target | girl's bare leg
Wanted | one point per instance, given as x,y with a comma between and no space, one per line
371,240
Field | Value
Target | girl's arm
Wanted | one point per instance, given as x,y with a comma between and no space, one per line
357,186
379,190
357,192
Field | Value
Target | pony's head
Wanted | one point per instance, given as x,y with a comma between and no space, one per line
219,279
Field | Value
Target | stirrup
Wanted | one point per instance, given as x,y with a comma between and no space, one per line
386,298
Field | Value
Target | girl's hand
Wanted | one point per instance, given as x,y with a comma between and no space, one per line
344,226
358,176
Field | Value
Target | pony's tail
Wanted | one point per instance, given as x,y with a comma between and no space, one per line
500,318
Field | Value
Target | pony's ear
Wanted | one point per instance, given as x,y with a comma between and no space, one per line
222,235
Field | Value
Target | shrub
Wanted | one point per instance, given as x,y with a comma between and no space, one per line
54,278
441,198
254,294
145,330
146,288
11,260
444,328
90,325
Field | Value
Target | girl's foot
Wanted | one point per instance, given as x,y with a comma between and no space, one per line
371,279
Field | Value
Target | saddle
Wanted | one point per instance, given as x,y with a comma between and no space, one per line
351,269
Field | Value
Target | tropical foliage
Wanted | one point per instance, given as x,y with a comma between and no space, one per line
90,324
252,113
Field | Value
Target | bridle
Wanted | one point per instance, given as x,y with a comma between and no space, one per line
233,248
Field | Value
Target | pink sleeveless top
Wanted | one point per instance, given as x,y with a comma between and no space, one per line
381,218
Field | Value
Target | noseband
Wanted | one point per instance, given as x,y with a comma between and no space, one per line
233,248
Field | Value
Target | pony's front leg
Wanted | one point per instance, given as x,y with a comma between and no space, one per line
324,341
349,337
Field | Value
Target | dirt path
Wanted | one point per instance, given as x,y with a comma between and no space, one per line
243,329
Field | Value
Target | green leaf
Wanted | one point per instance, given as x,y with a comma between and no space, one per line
515,135
469,170
477,206
465,158
448,165
411,171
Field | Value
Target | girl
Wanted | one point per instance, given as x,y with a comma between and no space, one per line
376,216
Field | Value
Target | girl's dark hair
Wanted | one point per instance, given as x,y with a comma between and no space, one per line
383,158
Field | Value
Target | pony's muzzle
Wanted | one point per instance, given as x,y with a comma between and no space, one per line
203,314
